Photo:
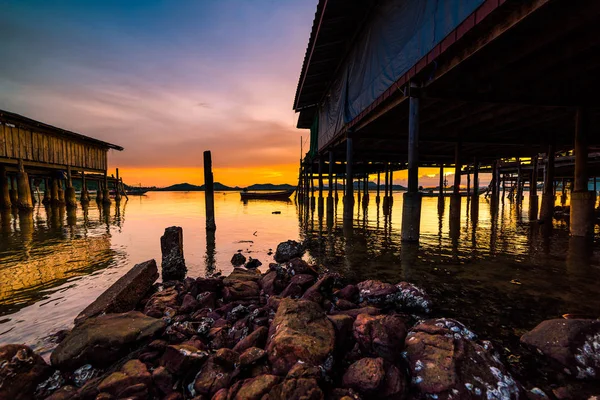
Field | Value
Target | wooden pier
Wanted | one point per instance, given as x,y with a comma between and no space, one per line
475,85
35,156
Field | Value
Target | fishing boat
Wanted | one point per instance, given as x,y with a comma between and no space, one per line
281,195
136,191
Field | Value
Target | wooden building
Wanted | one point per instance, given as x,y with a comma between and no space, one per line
389,85
42,153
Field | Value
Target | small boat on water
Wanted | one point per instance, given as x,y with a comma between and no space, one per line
281,195
136,191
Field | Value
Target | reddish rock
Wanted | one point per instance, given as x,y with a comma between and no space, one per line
348,293
163,380
394,385
344,305
297,266
238,260
573,343
102,340
209,285
64,393
297,285
207,300
380,335
258,338
171,245
357,311
133,373
242,275
179,359
365,375
297,389
375,292
189,304
288,250
300,331
21,370
212,378
227,358
412,298
220,395
253,389
343,325
241,290
303,370
161,301
446,361
124,294
274,281
251,356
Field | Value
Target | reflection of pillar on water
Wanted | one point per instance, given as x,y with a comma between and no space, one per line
71,216
57,216
5,220
441,206
409,255
455,200
411,205
582,200
26,230
47,192
547,209
578,265
209,259
70,197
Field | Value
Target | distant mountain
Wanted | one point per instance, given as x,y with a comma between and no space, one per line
188,187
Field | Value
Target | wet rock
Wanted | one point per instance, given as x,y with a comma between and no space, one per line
288,250
258,338
124,294
300,331
446,361
242,275
274,282
365,375
348,293
344,305
380,335
357,311
206,300
375,292
321,289
297,389
47,387
227,358
171,245
573,343
411,298
241,290
297,285
297,266
344,394
163,380
102,340
253,263
212,378
179,359
133,373
188,304
238,260
209,285
251,356
64,393
84,374
253,389
21,370
160,302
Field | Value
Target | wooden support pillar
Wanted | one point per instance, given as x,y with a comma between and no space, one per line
23,189
582,200
85,194
14,196
563,193
349,196
106,190
320,182
455,200
457,170
47,192
411,206
5,202
533,196
468,183
547,209
391,191
519,190
70,196
117,188
475,180
209,195
99,191
366,190
441,193
330,187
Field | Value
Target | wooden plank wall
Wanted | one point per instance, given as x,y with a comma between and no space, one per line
50,149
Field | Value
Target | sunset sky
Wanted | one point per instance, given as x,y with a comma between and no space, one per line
166,80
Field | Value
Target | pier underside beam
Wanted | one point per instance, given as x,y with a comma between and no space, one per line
582,200
411,206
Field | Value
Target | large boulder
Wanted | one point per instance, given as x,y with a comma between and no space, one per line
20,371
171,245
300,332
253,389
102,340
288,250
573,343
375,292
446,362
133,377
124,294
161,302
296,389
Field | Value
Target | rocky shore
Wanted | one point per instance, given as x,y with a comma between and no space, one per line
293,332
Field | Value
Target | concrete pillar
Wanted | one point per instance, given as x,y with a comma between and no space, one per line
475,180
441,193
468,184
377,198
349,195
105,191
366,190
519,191
391,194
24,189
533,196
70,197
5,202
582,200
386,189
456,196
320,181
330,194
411,206
547,209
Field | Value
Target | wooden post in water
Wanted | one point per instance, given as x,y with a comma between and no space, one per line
441,193
533,196
377,198
209,194
117,188
47,197
547,209
5,202
582,200
85,194
23,189
105,191
70,191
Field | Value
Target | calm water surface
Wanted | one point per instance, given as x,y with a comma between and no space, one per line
494,270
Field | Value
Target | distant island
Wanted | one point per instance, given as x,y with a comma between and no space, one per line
188,187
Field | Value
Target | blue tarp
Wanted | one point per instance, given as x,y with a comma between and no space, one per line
398,35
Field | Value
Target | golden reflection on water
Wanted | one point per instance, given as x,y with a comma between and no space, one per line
490,266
